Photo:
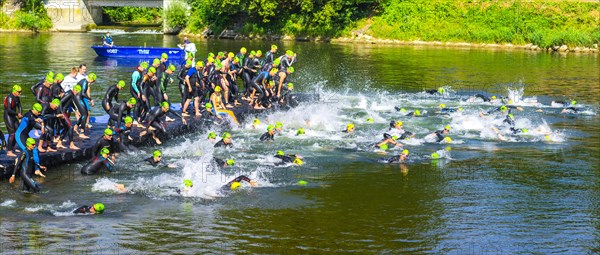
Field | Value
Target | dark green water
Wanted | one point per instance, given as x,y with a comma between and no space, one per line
527,196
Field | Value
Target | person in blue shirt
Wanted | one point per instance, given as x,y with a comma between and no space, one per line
107,40
30,120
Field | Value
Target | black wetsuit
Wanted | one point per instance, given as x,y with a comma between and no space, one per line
136,91
83,210
43,95
448,110
12,108
258,82
240,178
182,86
395,159
27,163
67,102
103,143
124,142
117,113
247,74
509,108
439,135
484,98
154,118
286,62
94,166
163,82
405,135
269,57
285,159
223,144
267,137
111,93
34,87
57,90
151,161
49,116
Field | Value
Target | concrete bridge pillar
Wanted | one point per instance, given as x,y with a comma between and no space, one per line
73,15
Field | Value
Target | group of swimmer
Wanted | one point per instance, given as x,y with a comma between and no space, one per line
208,88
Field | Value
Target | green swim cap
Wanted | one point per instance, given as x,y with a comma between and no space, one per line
270,127
173,68
156,154
218,65
448,148
512,117
108,131
30,141
405,152
49,79
402,110
384,147
395,137
252,52
208,106
121,84
188,183
441,90
503,108
573,102
221,54
278,124
128,120
448,139
259,52
37,107
230,162
190,55
290,85
218,89
226,135
398,123
230,55
164,55
235,185
435,155
273,46
55,101
50,73
212,135
77,88
349,126
165,104
447,127
302,183
290,69
417,113
276,62
104,151
156,61
289,52
16,88
132,101
99,207
300,131
236,59
460,109
280,153
256,122
152,69
189,63
92,76
144,65
243,49
442,106
370,120
211,55
273,70
493,97
199,64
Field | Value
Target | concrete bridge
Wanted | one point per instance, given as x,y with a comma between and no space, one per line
76,15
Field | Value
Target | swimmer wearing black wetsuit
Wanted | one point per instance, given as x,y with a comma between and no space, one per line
228,186
96,164
269,135
28,165
112,93
154,120
12,114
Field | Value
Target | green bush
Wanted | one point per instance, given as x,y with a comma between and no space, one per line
26,20
176,15
133,14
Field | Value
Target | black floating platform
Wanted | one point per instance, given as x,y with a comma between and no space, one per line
174,129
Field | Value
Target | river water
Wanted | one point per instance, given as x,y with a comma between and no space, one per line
532,194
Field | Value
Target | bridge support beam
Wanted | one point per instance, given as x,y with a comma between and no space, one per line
73,15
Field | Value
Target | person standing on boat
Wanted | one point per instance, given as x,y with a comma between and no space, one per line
87,91
12,115
107,40
112,93
57,89
163,81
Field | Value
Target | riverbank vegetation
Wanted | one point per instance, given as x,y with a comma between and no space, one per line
542,23
31,16
133,15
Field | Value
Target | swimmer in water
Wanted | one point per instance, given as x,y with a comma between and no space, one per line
269,135
236,183
95,209
225,141
399,158
349,128
224,163
288,159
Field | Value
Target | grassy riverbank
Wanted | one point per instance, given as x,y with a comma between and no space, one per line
541,23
